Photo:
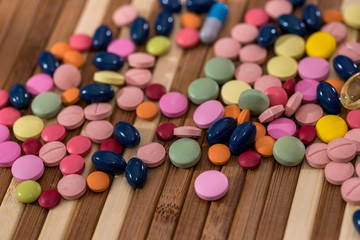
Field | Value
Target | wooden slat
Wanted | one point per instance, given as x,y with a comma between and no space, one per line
7,11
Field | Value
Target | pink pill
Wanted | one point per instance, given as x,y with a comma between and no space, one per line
208,113
67,76
336,29
227,48
28,167
8,116
72,164
39,83
187,37
72,186
79,145
293,104
211,185
4,133
124,15
99,131
271,114
341,150
71,117
256,17
357,169
354,135
266,81
308,88
122,47
336,173
313,68
128,98
350,190
277,96
253,53
138,77
277,8
141,60
316,155
308,114
281,127
4,98
53,132
9,152
248,72
152,154
173,104
350,50
52,153
80,42
353,118
97,111
244,33
187,131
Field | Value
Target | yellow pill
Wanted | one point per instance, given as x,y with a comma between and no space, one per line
352,16
290,45
330,127
230,91
109,77
320,44
28,126
282,67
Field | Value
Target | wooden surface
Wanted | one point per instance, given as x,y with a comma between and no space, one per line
271,202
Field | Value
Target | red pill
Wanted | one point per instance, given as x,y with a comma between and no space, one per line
249,159
31,146
49,198
53,132
353,118
155,91
289,86
4,98
306,134
79,145
165,131
72,164
8,116
277,96
111,145
187,37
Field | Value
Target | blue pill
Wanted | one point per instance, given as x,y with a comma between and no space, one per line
107,61
109,162
328,98
126,134
312,17
345,67
267,35
139,30
242,138
199,6
48,63
356,220
297,3
164,23
96,92
213,23
171,5
221,130
102,37
291,24
136,172
19,96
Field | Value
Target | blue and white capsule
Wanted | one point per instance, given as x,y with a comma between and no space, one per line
213,23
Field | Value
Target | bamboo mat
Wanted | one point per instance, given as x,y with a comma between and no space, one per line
271,202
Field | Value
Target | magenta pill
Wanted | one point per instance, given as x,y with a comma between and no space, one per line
52,153
9,152
354,135
341,150
353,118
336,29
53,132
4,98
187,37
152,154
336,173
293,104
249,159
227,48
80,42
350,190
122,47
39,83
308,114
4,133
165,131
281,127
128,98
316,155
31,146
79,145
72,164
256,17
244,33
141,60
314,68
271,113
253,53
72,186
173,104
138,77
8,116
97,111
211,185
28,167
49,199
111,145
208,113
277,96
99,131
308,88
306,134
266,81
248,72
155,91
350,50
289,86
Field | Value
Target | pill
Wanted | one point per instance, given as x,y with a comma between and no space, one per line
271,113
4,98
124,15
28,167
226,47
312,17
70,96
98,181
282,67
328,98
164,23
28,126
341,150
244,33
330,127
107,61
147,111
336,173
59,49
213,23
219,154
281,127
244,116
332,15
47,62
289,86
336,29
112,145
202,90
354,135
353,118
74,57
199,6
289,151
345,67
254,100
249,159
277,96
308,89
72,187
126,134
350,190
248,72
136,172
187,37
172,5
290,45
79,145
109,77
71,117
256,17
46,105
211,185
260,130
152,154
308,114
141,60
232,111
158,45
39,83
264,146
293,104
128,98
80,42
219,69
9,152
28,191
314,68
208,113
190,20
253,53
266,81
349,95
72,164
185,153
173,104
97,111
356,218
9,115
351,17
4,133
138,77
122,47
96,92
267,35
231,91
306,134
357,169
289,23
31,146
52,153
19,96
277,8
316,155
155,91
350,50
187,131
109,162
165,131
99,130
102,37
242,138
49,198
320,44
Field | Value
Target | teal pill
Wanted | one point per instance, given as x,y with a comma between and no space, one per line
185,153
202,90
254,100
289,151
28,191
46,105
220,69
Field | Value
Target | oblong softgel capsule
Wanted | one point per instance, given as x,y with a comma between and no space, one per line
47,62
19,96
171,5
242,138
109,162
312,17
126,134
199,6
96,92
345,67
139,30
291,24
107,61
136,172
213,23
221,130
164,23
328,98
102,37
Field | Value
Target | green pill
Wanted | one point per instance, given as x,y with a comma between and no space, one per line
28,191
46,105
185,153
202,90
254,100
158,45
220,69
289,151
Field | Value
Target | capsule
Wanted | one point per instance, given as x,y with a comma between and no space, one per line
267,35
107,61
102,37
328,98
48,63
139,30
199,6
312,17
213,23
291,24
345,67
171,5
164,23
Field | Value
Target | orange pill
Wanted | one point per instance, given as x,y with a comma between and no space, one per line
337,84
74,57
219,154
59,49
264,146
147,110
232,111
243,116
260,130
332,15
190,20
70,96
98,181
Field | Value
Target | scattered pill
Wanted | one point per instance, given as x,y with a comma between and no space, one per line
271,113
330,127
219,154
264,145
350,50
39,83
320,44
59,49
185,153
253,53
231,91
226,47
282,67
232,111
141,60
136,172
350,190
187,131
314,68
49,198
244,33
72,164
187,37
97,111
19,96
112,145
336,173
71,117
354,135
213,23
290,45
138,77
173,104
219,69
28,126
46,105
72,187
126,134
242,138
4,133
158,45
152,154
52,153
109,77
128,98
316,155
70,96
289,151
266,81
248,72
202,90
124,15
98,181
155,91
256,17
165,131
308,114
28,167
211,185
28,191
122,47
221,130
208,113
99,130
341,150
9,152
190,20
79,145
53,132
306,134
8,116
31,146
74,57
109,162
293,104
254,100
249,159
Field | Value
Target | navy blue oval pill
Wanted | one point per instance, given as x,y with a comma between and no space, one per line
102,37
126,134
19,97
312,17
242,138
48,62
267,35
164,23
139,30
291,24
136,172
328,98
107,61
345,67
171,5
356,220
96,92
221,130
199,6
109,162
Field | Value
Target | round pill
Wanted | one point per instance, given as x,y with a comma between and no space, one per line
308,88
28,191
244,33
98,111
293,104
244,116
185,153
316,155
53,132
330,127
341,150
70,96
277,96
80,42
308,114
351,16
211,185
254,100
98,131
9,115
266,81
350,190
147,111
350,50
332,15
152,154
39,83
202,90
28,126
277,8
208,113
158,45
336,173
155,91
72,164
111,145
314,68
282,67
289,151
71,117
9,152
124,15
52,153
138,77
219,69
290,45
187,37
165,131
122,47
98,181
74,57
353,118
67,76
31,146
281,127
4,133
248,72
219,154
49,199
128,98
357,169
354,135
249,159
271,113
260,130
59,49
173,104
231,91
4,98
320,44
28,167
226,48
256,17
253,53
46,105
72,186
306,134
79,145
190,20
141,60
187,131
336,29
264,146
232,111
